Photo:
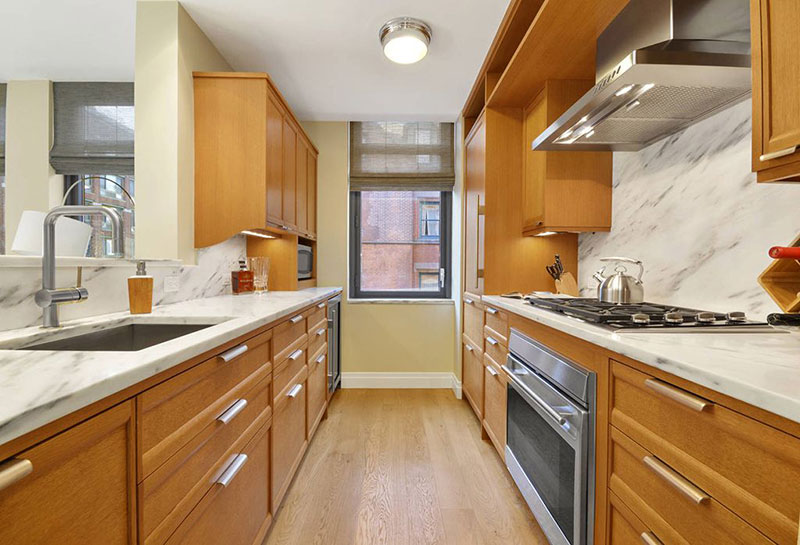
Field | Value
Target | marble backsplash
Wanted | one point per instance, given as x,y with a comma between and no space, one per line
691,210
108,286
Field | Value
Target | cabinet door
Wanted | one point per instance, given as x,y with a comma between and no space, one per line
317,388
301,185
776,71
288,436
274,163
535,165
289,174
475,176
494,404
82,487
472,376
312,194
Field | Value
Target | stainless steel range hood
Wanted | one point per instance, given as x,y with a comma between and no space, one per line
661,66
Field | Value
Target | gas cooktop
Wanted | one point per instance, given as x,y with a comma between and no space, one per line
650,316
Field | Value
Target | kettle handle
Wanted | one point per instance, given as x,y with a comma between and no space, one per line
628,260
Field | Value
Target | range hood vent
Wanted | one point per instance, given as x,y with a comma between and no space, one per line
662,65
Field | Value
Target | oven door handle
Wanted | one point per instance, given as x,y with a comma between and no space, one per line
550,411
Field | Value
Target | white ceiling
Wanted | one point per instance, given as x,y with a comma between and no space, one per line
324,55
67,40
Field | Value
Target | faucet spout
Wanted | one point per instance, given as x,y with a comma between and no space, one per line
49,297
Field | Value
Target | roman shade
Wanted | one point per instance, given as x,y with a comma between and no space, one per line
3,129
93,128
401,156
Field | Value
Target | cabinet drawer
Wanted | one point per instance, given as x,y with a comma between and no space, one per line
288,371
497,324
173,412
494,404
170,493
473,321
317,336
625,528
239,511
289,336
668,503
751,468
81,489
288,435
472,378
317,388
317,314
494,347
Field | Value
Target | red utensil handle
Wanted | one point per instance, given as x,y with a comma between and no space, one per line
785,252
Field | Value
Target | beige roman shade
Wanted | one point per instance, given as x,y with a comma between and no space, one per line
401,156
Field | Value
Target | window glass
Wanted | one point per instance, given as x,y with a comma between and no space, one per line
3,215
102,189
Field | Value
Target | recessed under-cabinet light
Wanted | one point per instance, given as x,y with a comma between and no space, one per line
405,40
259,234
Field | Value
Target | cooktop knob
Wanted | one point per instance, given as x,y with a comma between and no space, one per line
706,317
640,319
672,318
736,317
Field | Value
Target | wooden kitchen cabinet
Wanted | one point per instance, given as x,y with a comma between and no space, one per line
494,404
289,440
475,198
472,377
82,487
563,191
317,389
253,161
776,96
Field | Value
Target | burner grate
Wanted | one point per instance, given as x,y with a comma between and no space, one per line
595,311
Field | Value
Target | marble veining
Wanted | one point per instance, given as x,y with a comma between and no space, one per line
691,210
108,288
38,387
762,369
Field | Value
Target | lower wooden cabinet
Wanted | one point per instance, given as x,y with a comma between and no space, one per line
472,378
494,404
288,434
317,389
81,489
625,528
237,508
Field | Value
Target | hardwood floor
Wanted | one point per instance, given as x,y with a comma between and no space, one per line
402,467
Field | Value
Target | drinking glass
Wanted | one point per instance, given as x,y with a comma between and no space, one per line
260,268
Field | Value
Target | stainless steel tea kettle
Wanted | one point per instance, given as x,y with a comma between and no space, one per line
619,287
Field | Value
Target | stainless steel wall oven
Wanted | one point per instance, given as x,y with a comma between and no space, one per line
551,433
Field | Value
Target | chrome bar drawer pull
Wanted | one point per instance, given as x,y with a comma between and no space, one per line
321,331
469,301
233,353
649,539
295,390
778,154
675,479
491,340
296,319
232,411
492,371
321,358
321,305
14,470
231,471
677,395
491,310
296,354
469,348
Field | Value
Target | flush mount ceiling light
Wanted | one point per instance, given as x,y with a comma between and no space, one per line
405,40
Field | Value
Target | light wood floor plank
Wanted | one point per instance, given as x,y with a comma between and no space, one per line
402,467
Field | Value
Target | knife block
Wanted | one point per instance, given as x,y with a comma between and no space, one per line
781,281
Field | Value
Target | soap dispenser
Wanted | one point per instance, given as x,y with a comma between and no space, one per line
140,291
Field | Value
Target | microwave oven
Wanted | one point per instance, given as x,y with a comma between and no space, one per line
305,261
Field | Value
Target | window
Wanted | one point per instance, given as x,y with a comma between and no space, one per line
390,258
3,88
401,186
96,189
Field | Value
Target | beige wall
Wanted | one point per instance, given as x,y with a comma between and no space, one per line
169,47
376,337
31,183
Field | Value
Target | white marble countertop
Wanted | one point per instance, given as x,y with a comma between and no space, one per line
38,387
762,369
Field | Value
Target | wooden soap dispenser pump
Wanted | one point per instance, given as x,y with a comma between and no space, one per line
140,291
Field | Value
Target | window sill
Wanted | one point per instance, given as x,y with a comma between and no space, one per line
400,301
23,261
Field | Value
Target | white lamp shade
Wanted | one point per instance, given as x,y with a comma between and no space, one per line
406,46
72,236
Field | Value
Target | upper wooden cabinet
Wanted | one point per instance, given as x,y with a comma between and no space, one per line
252,159
776,96
563,191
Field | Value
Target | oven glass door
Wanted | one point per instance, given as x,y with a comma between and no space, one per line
546,458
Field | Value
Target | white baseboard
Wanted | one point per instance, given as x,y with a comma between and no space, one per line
456,386
399,380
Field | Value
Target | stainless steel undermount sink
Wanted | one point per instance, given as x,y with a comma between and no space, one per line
122,338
